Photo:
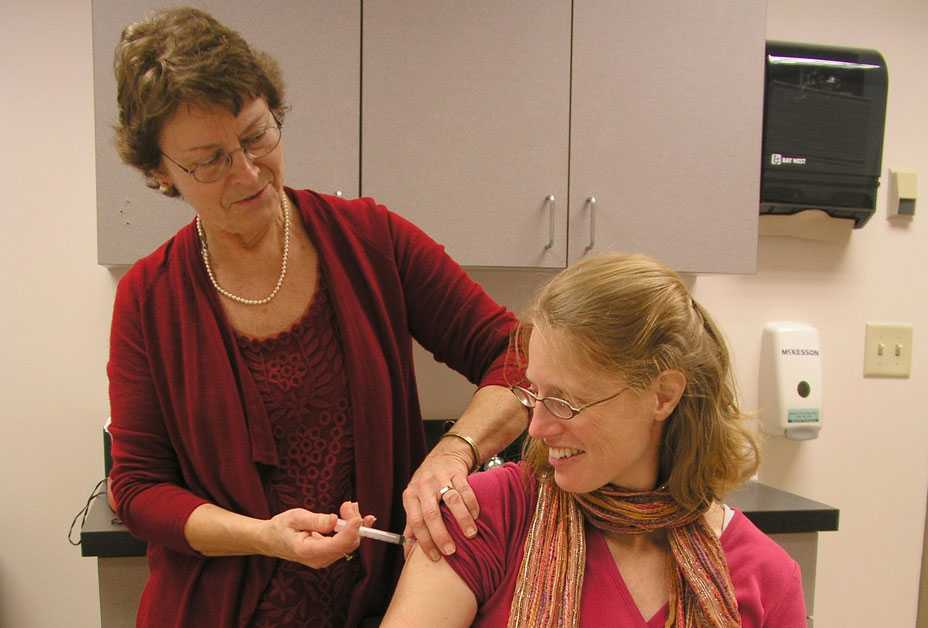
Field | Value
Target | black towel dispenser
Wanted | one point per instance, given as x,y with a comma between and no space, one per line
824,113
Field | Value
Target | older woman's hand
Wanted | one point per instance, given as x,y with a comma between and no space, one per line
445,467
305,537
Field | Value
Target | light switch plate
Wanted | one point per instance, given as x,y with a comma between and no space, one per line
888,350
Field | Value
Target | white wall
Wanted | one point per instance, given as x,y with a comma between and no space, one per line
870,462
54,315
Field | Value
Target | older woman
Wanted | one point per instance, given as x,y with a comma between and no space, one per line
615,518
261,374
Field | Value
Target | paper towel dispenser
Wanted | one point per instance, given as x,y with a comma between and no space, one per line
824,113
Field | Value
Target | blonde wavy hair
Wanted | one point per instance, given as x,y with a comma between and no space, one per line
631,316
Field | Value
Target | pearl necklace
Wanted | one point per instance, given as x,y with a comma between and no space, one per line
285,208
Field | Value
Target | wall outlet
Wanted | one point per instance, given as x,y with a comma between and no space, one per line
888,350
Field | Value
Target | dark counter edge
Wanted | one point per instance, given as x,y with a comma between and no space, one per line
772,510
104,536
779,512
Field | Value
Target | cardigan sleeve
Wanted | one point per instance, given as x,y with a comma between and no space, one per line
451,315
146,478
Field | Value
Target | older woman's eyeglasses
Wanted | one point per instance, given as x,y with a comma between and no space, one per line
558,407
254,146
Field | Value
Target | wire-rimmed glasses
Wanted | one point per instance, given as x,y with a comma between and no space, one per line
254,146
558,407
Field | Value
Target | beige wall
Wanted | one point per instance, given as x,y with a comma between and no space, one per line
870,461
54,314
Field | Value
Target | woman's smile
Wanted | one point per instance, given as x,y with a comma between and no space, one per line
561,458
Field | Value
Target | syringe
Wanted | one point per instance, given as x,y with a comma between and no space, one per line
373,533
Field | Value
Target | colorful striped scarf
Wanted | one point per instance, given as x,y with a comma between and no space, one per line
551,575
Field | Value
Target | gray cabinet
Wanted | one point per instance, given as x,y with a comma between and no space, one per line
666,116
465,124
317,43
465,127
493,124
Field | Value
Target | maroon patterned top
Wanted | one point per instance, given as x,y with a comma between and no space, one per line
301,378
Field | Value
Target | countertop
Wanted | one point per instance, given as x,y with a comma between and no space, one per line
780,512
772,510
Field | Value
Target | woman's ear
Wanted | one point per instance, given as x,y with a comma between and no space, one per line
162,177
160,180
668,388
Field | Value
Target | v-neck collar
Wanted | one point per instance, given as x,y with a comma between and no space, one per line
597,538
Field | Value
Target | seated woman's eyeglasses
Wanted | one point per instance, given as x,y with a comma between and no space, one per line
558,407
254,146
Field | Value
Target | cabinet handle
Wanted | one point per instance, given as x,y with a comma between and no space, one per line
338,193
549,201
591,202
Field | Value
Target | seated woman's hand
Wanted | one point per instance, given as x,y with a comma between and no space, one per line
305,537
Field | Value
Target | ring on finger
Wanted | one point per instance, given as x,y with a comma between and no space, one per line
444,489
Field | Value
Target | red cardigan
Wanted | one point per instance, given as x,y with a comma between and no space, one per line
189,427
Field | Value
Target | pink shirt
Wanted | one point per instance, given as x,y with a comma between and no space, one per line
767,581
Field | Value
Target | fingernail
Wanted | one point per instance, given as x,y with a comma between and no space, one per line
448,549
471,532
434,556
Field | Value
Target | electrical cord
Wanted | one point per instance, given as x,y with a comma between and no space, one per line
82,513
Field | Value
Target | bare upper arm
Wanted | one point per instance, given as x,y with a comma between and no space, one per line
430,594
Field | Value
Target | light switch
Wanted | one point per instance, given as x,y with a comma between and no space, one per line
888,350
903,193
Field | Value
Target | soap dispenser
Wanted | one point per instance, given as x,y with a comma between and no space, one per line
791,381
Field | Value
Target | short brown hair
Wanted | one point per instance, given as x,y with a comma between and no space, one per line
632,316
183,55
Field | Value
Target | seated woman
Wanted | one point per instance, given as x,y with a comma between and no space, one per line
615,516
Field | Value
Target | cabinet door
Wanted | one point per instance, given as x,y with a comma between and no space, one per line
317,44
465,114
666,131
